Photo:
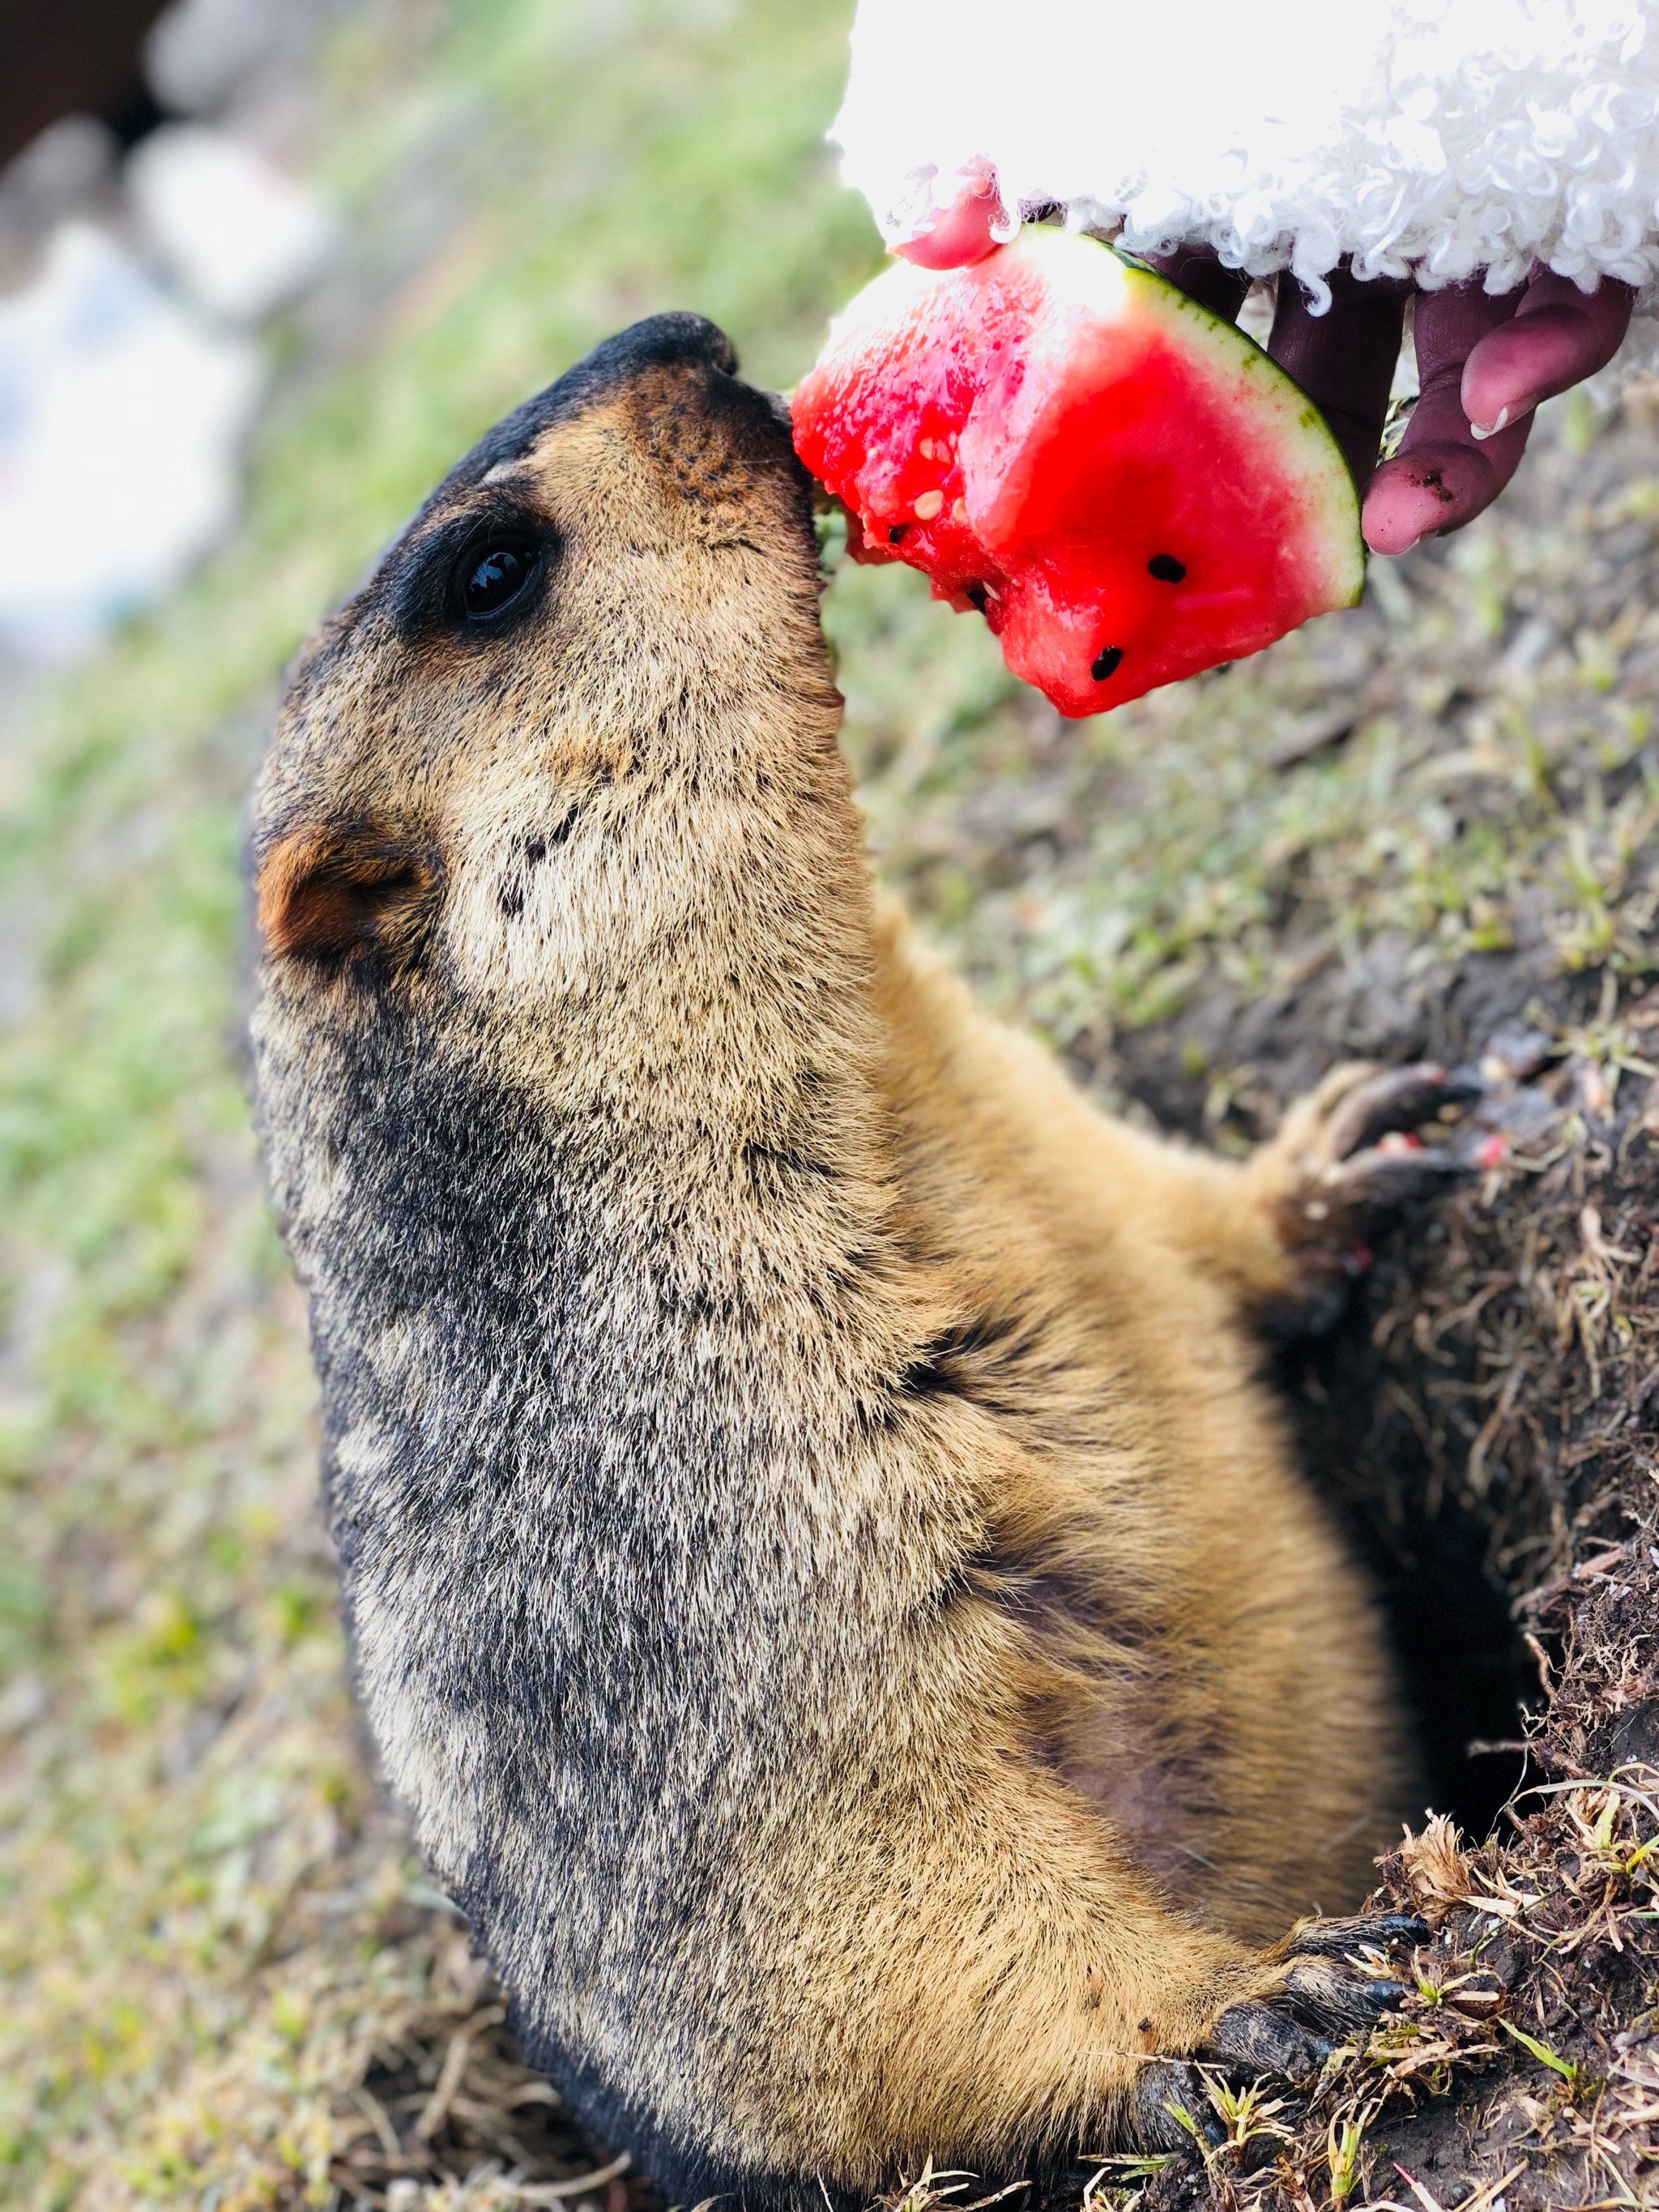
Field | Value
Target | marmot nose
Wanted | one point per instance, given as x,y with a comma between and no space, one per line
676,337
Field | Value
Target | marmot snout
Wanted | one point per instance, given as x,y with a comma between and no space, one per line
823,1575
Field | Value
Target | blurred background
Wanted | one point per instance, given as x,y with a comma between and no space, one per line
266,267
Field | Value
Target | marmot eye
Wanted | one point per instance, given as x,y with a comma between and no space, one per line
491,579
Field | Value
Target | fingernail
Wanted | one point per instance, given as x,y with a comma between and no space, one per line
1490,430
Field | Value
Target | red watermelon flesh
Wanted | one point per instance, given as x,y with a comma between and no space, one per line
1125,486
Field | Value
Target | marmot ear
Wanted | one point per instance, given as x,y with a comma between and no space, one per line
331,896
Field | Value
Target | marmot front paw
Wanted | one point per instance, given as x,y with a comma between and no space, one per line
1334,1981
1367,1143
1337,1983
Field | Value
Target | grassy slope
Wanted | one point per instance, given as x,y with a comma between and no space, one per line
229,1981
194,1884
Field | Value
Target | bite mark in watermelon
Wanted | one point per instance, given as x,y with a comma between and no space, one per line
1125,486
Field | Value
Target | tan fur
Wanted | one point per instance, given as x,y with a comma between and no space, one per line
1011,1692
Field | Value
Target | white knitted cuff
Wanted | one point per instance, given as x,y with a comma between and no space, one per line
1433,138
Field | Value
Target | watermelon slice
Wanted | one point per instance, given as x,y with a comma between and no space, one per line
1125,486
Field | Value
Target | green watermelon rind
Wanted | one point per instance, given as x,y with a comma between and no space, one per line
1308,455
1110,285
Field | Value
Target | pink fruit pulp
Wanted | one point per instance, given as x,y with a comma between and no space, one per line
1124,486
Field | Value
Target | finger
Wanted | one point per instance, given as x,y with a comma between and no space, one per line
1440,480
1558,336
1201,276
960,233
1345,359
1443,476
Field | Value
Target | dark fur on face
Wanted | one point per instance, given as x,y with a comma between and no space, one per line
823,1578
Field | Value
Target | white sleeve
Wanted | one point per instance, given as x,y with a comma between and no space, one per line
1435,137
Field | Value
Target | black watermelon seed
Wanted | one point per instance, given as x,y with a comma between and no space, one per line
1166,568
975,595
1104,662
897,533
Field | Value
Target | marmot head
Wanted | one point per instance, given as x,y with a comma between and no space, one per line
534,759
559,1027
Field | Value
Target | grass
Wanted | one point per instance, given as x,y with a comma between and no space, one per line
208,1930
227,1986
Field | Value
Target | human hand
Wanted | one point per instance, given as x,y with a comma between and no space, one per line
960,233
1483,362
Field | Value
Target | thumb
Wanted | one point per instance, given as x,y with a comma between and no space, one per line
962,233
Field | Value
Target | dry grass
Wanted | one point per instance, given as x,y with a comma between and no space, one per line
1426,829
1505,1367
227,1985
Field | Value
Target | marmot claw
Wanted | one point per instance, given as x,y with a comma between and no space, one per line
1350,1156
1364,1104
1336,1986
1165,2090
1354,1935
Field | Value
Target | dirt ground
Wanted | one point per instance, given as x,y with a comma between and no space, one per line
1426,827
1484,1417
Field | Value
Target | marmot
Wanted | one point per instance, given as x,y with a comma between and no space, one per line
824,1576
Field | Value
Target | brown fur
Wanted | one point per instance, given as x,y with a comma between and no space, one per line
825,1577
